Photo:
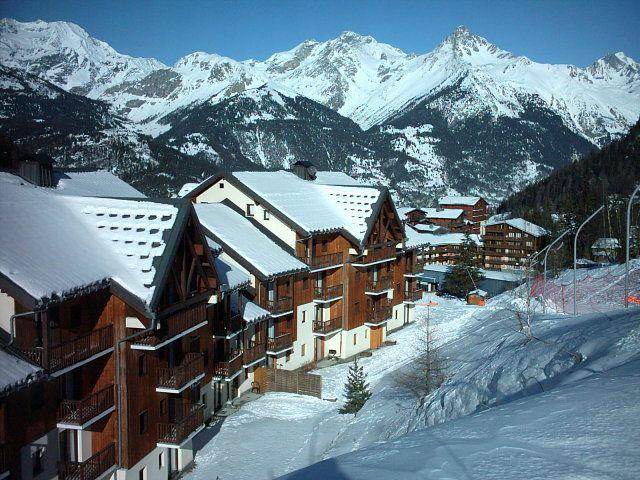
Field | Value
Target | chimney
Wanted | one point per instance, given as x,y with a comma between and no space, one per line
304,170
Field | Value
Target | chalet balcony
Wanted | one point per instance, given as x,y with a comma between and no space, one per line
412,296
279,343
227,328
67,355
379,314
252,354
376,287
325,327
92,468
282,306
79,414
176,379
321,262
380,252
229,366
172,328
174,434
327,293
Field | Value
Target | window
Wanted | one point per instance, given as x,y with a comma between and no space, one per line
303,349
36,461
161,460
366,333
250,209
204,399
142,365
305,283
324,246
163,406
221,184
355,338
287,358
143,421
266,215
142,474
304,317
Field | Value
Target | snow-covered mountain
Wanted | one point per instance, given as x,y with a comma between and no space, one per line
467,116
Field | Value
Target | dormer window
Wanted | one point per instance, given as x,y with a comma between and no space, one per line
250,209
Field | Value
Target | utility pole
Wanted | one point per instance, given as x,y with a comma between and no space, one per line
575,258
626,274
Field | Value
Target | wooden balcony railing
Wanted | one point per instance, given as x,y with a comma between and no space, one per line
276,307
327,326
174,325
253,352
379,285
228,326
79,412
380,252
67,353
231,365
91,468
327,292
379,314
413,295
280,342
177,377
323,261
177,432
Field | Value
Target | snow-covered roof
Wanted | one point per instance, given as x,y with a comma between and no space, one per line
479,292
15,371
458,200
438,239
522,225
606,244
231,275
254,313
315,207
429,228
92,183
186,189
403,211
241,240
60,244
446,213
335,178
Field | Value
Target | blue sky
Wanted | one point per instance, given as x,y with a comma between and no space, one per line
574,32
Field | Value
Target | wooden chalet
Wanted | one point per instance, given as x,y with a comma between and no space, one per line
108,299
475,209
359,280
509,243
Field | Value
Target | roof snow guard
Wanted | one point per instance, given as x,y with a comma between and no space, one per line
311,207
59,246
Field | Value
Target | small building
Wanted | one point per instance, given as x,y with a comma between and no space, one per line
411,215
477,297
451,218
605,250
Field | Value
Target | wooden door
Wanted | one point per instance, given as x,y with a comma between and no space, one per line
376,337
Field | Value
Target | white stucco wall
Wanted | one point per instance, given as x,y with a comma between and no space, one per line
215,194
151,462
363,341
7,308
304,337
49,445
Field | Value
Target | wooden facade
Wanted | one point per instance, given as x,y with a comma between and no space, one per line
476,213
109,382
506,246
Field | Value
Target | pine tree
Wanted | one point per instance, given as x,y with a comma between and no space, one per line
356,389
465,275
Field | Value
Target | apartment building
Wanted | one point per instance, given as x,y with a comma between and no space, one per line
350,237
475,209
509,243
105,299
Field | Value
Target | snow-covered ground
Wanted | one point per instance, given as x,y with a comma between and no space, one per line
528,408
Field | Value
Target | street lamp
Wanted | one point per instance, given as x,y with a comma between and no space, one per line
544,282
626,276
575,259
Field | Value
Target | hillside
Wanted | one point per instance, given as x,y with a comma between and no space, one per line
571,193
466,117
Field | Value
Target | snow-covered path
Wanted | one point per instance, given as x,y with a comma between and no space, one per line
299,430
